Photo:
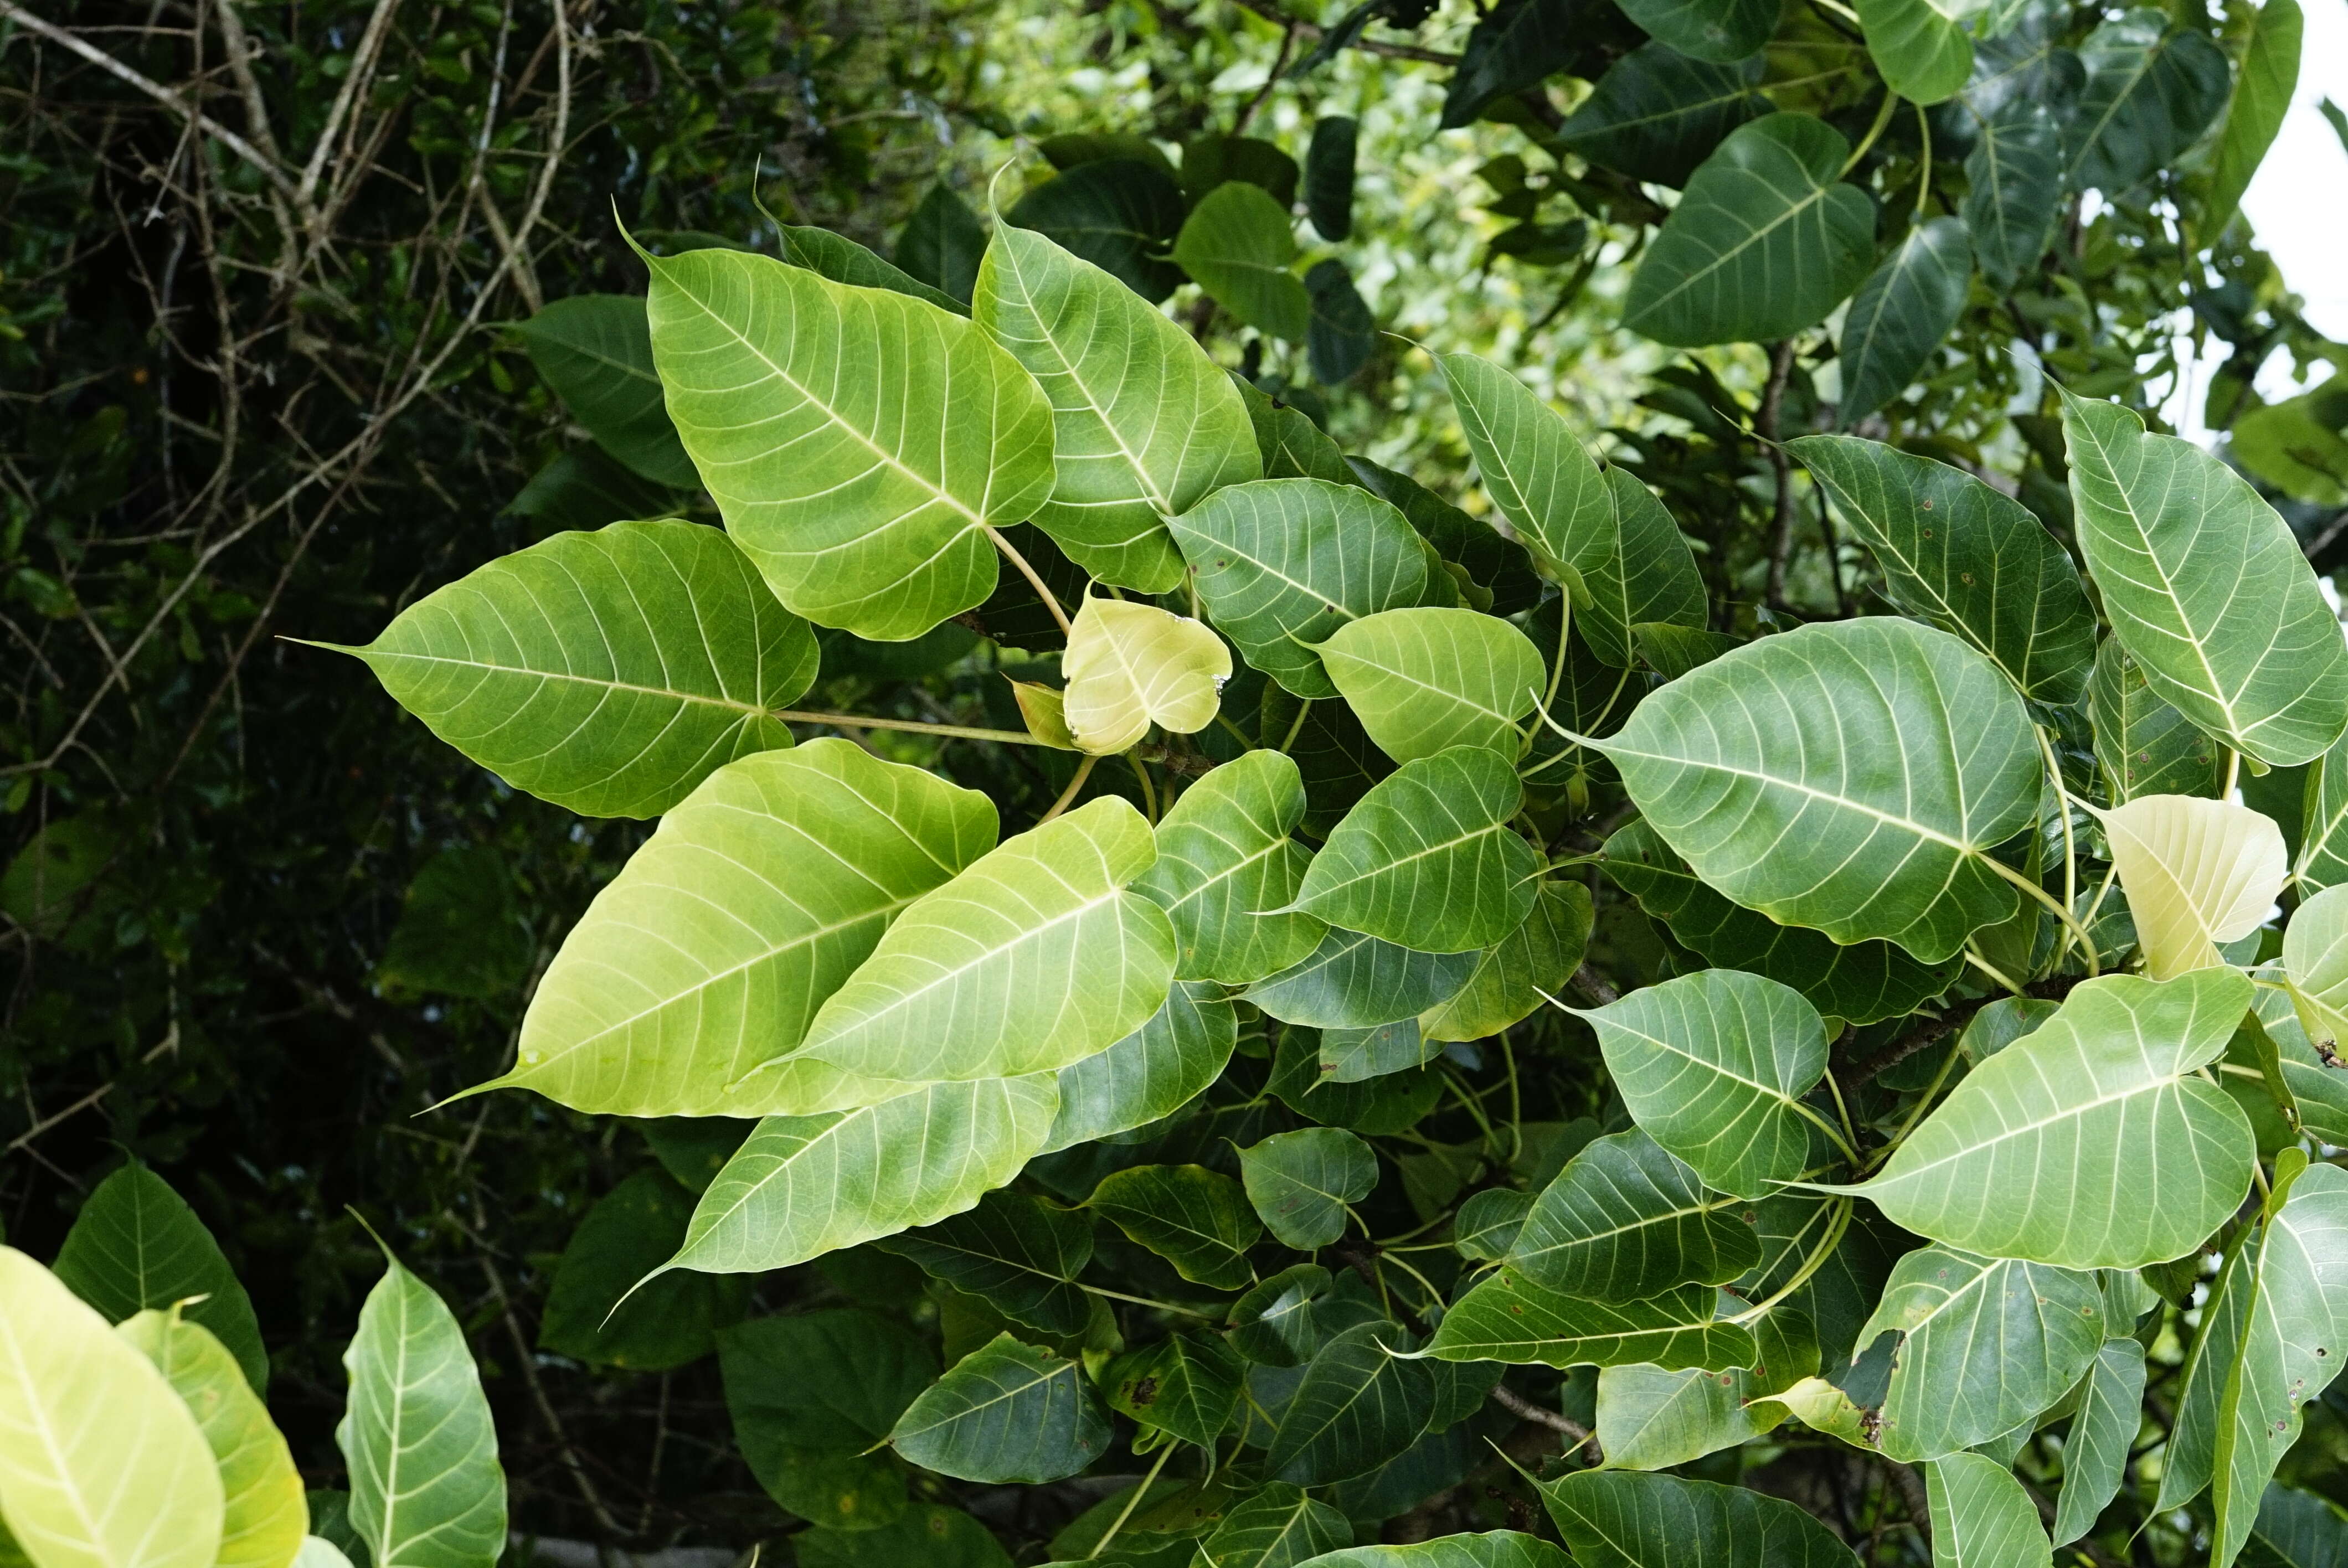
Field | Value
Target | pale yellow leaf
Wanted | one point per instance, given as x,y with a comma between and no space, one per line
1046,713
1130,665
2197,873
2315,959
267,1515
101,1466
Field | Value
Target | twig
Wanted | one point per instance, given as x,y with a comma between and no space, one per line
362,65
1279,64
1516,1405
169,1043
2323,541
1591,984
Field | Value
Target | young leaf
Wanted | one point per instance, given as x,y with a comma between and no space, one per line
2197,873
2205,586
1301,1182
1144,422
2144,745
1225,856
2255,113
1358,1405
1006,1412
820,416
1528,967
1353,981
1509,1318
1131,665
1986,1344
941,243
1194,1218
1277,1527
1862,983
1626,1220
1528,462
1901,313
773,881
1882,833
595,352
2146,1159
2095,1456
1623,1519
1117,213
426,1490
1019,1255
264,1517
1648,1418
1920,46
1718,30
1428,860
1656,114
1237,244
97,1448
137,1245
1647,577
1767,241
610,672
1982,1515
1186,1385
1150,1074
1282,563
1959,555
1422,680
594,1314
1033,958
1713,1066
2014,178
808,1392
805,1185
2150,92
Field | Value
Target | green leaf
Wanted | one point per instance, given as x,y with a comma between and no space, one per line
1497,566
2206,587
2149,93
1902,312
265,1516
808,1393
1713,1066
1119,213
1767,241
1529,965
1353,981
1150,1074
1282,563
1186,1385
1237,244
2014,180
2297,445
1383,1105
1492,1549
2094,1455
1956,553
1277,1527
426,1490
1196,1219
1428,859
843,260
1718,30
1130,665
1882,833
610,672
97,1448
776,878
1981,1515
2322,860
1985,1345
1488,1225
1006,1412
860,486
1920,46
136,1244
462,929
1648,1418
595,352
805,1185
1358,1055
941,243
1625,1519
1224,858
1274,1324
1359,1405
1329,176
1626,1220
2315,965
1656,114
929,1533
1144,424
1301,1182
1211,161
1019,1255
1512,46
2296,1530
1647,577
1344,334
2144,746
2255,113
1862,983
1509,1318
591,1315
2148,1159
1033,958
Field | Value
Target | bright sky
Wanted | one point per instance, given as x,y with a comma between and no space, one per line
2299,201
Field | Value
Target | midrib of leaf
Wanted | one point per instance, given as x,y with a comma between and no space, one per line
1033,1381
1389,867
1025,934
1391,673
782,1163
833,415
1151,491
1889,819
1270,570
748,710
1685,110
1469,409
1590,1237
2136,75
51,1441
1266,853
2067,1113
1753,237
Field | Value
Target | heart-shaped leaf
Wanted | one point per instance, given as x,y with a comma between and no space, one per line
1424,680
1359,1405
1657,113
1919,46
1626,1220
1428,860
263,1515
2150,92
2197,873
1186,1385
1131,665
1301,1182
1509,1318
2014,180
1196,1219
1277,1527
1005,1412
136,1244
1529,965
1531,466
1623,1519
1354,980
942,244
1225,858
1648,1418
1902,312
1118,213
1237,244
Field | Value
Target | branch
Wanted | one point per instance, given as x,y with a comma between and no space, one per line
1516,1405
1593,985
1310,34
1773,398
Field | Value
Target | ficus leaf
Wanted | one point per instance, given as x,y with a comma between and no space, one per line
1492,1549
1150,1074
1509,1318
1719,30
596,352
1117,213
1656,114
1981,1515
263,1517
1514,977
1019,1253
1186,1385
1424,680
1278,1526
594,1312
1196,1219
1648,1418
1919,46
2197,873
1131,665
1005,1412
1626,1220
2144,745
1358,1405
1237,244
1301,1182
1623,1519
1354,980
2094,1455
1225,859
